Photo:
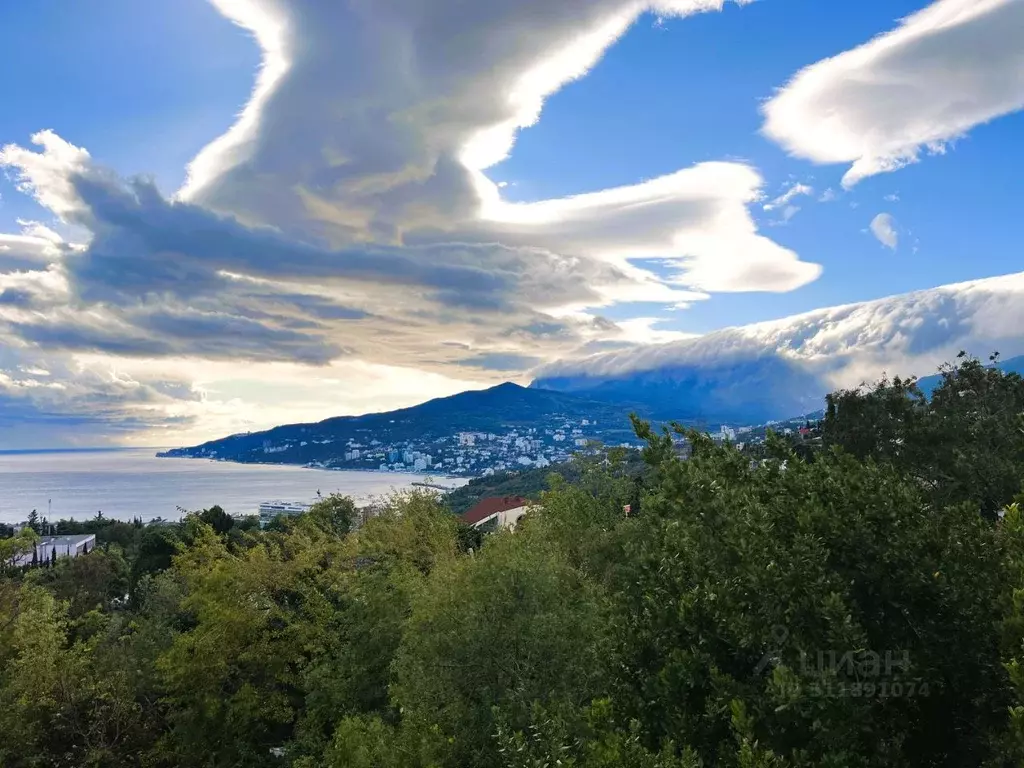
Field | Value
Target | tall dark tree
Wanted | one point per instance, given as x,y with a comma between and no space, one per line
217,518
157,548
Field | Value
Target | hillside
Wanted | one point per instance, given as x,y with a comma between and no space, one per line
509,423
733,393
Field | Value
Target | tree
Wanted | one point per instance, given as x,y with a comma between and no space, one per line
125,535
217,519
86,583
513,625
964,444
752,601
290,634
59,703
14,548
33,522
157,548
470,537
584,737
228,679
334,513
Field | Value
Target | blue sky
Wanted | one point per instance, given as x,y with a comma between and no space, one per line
336,236
689,90
143,85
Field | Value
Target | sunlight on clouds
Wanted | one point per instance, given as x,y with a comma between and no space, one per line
225,400
270,32
47,175
344,227
642,330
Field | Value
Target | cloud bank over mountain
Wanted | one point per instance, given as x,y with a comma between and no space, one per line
785,367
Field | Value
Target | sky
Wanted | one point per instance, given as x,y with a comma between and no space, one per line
221,215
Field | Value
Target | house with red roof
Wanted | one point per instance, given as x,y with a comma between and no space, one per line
497,511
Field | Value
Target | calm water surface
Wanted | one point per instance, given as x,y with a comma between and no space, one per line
134,483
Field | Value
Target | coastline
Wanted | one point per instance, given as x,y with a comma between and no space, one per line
133,483
466,478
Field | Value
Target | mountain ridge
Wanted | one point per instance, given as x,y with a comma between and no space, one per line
504,415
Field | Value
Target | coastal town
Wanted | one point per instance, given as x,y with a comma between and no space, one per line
462,454
474,454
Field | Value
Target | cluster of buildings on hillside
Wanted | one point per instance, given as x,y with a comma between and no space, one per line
468,453
471,453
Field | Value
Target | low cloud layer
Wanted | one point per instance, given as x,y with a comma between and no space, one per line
944,70
910,334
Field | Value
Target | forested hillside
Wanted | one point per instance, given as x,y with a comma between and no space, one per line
854,604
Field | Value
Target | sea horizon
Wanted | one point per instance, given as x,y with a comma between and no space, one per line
126,483
97,449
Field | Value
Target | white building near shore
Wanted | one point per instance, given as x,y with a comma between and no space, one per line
62,546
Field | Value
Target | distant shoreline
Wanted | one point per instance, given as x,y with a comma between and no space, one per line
126,485
29,451
321,469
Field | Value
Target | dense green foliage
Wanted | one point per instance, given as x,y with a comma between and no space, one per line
857,604
962,444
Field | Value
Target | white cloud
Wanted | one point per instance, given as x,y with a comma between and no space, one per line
794,191
883,227
892,198
395,149
694,221
90,400
944,70
828,196
48,175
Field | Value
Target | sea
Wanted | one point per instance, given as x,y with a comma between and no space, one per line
135,483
